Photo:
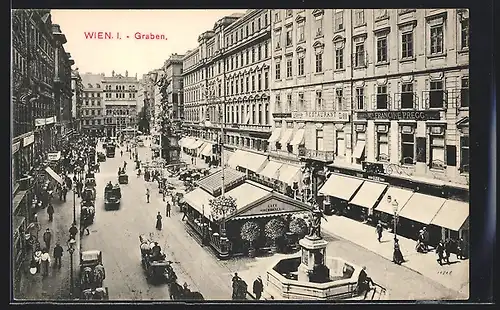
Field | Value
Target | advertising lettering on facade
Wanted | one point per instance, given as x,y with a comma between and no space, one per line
271,206
399,115
342,116
15,147
29,140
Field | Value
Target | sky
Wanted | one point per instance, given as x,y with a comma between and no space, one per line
180,28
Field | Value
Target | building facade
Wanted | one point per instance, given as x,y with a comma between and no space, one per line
227,79
38,76
92,110
76,100
173,78
62,84
120,102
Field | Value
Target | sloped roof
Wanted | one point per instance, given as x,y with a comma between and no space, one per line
213,183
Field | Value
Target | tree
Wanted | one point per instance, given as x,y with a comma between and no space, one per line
222,206
275,229
298,227
250,232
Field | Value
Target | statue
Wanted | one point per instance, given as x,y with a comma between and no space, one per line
315,230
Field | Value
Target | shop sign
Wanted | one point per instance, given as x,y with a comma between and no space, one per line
282,115
50,120
342,116
399,115
15,147
271,206
29,140
54,156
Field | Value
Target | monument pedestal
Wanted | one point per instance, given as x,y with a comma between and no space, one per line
313,255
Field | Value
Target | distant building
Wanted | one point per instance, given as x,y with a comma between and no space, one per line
120,103
92,110
76,100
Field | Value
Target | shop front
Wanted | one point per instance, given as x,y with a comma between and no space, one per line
393,199
18,226
255,203
453,220
366,199
248,162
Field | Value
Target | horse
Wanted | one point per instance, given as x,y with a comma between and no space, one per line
177,292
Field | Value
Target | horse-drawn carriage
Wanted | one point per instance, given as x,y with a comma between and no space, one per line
112,195
92,273
90,180
99,293
87,212
154,262
122,177
89,194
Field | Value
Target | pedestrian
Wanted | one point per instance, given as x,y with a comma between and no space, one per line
379,230
167,213
47,237
258,287
397,256
45,263
121,153
440,252
72,232
158,221
147,194
426,238
448,248
235,281
50,212
64,192
58,253
461,249
184,210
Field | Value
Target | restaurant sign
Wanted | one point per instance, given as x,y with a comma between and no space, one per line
342,116
29,140
271,206
399,115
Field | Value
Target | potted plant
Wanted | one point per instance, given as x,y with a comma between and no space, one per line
222,206
250,231
275,229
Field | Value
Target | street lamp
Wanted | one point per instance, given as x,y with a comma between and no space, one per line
74,203
71,250
395,207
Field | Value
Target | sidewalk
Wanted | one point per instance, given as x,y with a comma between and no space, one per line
454,276
55,286
199,163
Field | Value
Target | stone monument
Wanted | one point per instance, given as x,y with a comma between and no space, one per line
312,266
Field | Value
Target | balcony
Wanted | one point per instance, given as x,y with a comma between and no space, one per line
282,115
435,99
406,100
324,156
284,154
251,127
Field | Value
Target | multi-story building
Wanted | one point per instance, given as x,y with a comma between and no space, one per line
62,84
34,111
227,79
374,92
120,102
76,100
92,110
174,91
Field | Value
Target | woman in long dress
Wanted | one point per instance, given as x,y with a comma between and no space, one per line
158,221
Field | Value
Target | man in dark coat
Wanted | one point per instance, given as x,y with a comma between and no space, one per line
169,208
50,212
72,232
58,253
379,230
448,248
235,280
440,252
258,287
47,237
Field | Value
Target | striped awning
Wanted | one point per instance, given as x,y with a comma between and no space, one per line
207,150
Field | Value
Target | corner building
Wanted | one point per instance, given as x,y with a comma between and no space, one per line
375,93
227,79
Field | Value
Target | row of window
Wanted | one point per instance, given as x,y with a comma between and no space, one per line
436,97
88,94
117,112
244,85
249,29
246,57
248,114
120,95
91,112
118,87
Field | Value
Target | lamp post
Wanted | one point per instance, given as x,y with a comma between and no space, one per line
395,207
71,250
74,203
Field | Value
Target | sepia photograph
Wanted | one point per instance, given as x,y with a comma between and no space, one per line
256,155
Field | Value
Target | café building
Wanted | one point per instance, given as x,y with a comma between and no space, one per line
254,202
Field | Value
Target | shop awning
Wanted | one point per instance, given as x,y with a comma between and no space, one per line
199,200
421,208
400,194
368,194
452,215
17,199
359,149
298,137
181,141
196,144
340,186
207,150
271,169
54,175
288,174
236,159
187,142
253,162
275,135
248,193
286,137
17,221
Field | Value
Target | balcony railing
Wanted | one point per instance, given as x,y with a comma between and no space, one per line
325,156
406,100
381,102
435,99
